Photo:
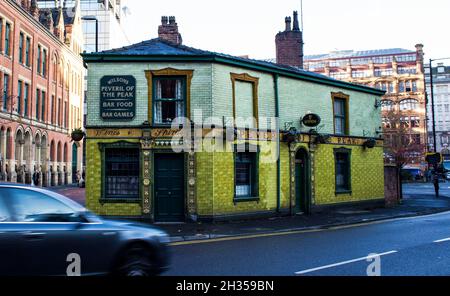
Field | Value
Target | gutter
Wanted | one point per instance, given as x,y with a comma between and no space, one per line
277,116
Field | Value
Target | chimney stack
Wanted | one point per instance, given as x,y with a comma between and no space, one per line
296,26
289,44
288,23
168,30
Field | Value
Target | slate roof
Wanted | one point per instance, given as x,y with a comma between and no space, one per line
357,54
161,49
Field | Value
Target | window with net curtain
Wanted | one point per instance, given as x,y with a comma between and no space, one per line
169,100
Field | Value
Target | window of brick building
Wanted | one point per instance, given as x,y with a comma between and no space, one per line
7,49
21,44
27,51
26,94
5,91
19,96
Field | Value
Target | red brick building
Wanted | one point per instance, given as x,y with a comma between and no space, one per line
41,84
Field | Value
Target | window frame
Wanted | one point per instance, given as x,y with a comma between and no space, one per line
20,88
26,98
348,153
119,145
254,151
6,90
245,77
150,74
155,100
346,99
7,43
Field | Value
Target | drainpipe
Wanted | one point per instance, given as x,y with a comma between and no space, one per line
277,116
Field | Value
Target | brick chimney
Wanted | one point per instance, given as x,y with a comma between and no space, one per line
289,44
168,30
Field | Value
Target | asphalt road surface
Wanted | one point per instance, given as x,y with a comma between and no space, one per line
414,247
426,188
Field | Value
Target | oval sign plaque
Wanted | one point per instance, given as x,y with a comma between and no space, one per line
311,120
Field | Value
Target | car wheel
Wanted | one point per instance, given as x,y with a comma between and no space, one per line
136,262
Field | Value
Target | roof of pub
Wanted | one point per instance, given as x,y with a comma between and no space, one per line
161,50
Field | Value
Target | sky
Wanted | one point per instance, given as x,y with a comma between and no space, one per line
248,27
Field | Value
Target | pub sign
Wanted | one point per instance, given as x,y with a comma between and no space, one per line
311,120
118,97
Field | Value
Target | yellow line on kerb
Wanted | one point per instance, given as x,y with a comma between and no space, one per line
233,238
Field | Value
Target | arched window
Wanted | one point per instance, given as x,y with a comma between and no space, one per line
409,104
387,105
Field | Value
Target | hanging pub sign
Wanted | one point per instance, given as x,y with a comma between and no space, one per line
311,120
118,97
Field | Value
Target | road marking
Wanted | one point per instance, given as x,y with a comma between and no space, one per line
232,238
442,240
344,263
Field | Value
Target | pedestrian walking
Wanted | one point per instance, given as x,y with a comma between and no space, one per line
436,183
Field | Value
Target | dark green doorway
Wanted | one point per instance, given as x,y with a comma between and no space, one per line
302,182
169,187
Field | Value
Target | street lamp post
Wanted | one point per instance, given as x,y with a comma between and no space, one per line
93,18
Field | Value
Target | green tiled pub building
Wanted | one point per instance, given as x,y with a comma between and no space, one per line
145,161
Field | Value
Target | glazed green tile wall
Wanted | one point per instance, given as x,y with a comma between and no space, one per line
367,173
223,94
299,97
93,185
200,89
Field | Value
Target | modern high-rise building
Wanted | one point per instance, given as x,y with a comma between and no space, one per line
110,15
400,73
441,87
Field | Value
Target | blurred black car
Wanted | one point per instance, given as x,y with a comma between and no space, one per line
39,230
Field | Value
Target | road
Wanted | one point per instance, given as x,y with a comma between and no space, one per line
426,188
409,247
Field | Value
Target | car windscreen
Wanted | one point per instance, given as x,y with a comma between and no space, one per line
32,206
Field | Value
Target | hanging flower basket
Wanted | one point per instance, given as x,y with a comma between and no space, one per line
370,143
77,135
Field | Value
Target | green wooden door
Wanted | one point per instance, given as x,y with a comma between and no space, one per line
169,188
302,183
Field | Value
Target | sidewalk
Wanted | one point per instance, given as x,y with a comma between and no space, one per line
412,205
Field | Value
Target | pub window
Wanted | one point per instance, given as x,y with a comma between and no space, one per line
340,115
121,173
343,170
246,183
169,100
